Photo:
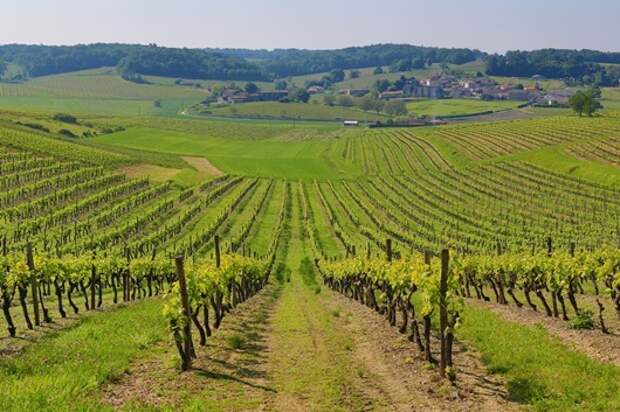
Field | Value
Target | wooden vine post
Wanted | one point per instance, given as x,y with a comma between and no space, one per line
554,293
187,348
217,251
443,310
427,321
388,249
93,281
33,284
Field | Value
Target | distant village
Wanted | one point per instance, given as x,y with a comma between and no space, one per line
439,86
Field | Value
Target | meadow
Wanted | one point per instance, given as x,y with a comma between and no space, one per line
458,107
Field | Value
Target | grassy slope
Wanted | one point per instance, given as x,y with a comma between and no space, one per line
65,371
540,371
277,157
99,91
453,107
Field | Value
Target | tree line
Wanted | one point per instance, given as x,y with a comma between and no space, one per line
575,66
131,61
292,62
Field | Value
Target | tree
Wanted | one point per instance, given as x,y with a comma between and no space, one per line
251,88
344,100
378,70
400,83
3,67
585,102
395,108
382,85
367,103
65,118
299,95
329,99
401,66
335,76
280,85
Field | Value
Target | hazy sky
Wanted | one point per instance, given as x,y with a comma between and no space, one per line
490,25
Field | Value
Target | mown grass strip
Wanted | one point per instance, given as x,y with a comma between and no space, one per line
64,370
540,370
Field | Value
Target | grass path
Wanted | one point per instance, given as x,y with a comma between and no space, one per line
310,358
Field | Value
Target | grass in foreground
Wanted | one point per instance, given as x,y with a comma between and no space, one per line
65,370
540,370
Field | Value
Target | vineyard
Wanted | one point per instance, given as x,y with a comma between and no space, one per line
419,229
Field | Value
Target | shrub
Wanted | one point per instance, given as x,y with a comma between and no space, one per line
67,133
236,341
584,320
65,118
35,126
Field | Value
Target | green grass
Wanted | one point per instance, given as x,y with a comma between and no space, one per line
541,371
281,157
455,107
65,370
302,111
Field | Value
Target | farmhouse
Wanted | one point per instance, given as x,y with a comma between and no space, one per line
555,99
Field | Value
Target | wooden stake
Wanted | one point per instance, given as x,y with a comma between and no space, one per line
33,284
217,251
443,309
186,361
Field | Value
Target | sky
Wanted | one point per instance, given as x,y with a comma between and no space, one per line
488,25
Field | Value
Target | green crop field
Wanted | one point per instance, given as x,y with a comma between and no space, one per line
450,267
